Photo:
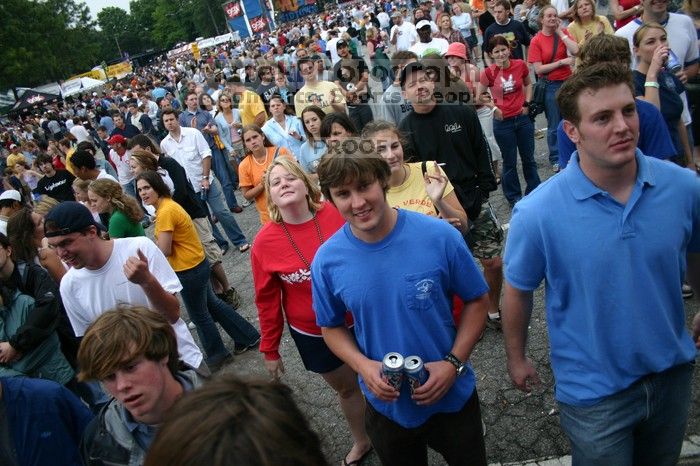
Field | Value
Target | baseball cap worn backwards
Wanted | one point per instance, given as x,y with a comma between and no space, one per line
68,217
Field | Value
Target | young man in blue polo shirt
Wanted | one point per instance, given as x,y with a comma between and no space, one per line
611,236
397,271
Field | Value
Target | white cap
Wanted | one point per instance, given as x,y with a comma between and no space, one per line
11,194
423,23
94,94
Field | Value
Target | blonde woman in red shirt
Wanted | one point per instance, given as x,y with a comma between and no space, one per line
281,259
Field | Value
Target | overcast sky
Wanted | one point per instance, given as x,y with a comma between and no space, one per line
97,5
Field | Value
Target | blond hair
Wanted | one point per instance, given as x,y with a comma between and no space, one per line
313,197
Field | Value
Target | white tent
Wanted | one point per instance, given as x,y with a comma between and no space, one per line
78,85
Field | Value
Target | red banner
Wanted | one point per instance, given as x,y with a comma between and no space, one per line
258,24
233,9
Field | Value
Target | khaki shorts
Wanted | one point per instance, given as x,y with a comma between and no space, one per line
211,248
486,234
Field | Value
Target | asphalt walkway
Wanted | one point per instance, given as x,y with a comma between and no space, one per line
520,429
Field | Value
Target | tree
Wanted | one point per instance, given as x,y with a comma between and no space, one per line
173,22
143,21
115,26
44,41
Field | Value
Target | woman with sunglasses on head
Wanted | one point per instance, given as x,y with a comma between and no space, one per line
281,258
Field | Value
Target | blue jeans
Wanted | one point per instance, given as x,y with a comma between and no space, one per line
641,425
130,189
217,203
551,111
512,135
216,233
224,173
204,308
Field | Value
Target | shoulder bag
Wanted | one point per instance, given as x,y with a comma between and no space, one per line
540,87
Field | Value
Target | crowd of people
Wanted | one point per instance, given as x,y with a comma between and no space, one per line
369,139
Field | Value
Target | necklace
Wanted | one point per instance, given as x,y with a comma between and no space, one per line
294,245
260,163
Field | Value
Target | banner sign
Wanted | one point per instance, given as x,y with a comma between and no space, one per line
119,70
94,74
258,24
303,8
233,9
236,18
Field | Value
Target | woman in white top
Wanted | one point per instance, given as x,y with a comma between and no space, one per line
462,21
283,129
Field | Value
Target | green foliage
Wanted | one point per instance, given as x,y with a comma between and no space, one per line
49,40
43,41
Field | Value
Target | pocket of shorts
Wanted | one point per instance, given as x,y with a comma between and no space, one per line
421,289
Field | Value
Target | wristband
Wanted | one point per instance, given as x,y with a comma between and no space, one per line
651,84
526,104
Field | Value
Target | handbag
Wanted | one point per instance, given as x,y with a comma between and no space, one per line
218,142
540,88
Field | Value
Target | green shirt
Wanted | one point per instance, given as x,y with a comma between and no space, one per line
121,227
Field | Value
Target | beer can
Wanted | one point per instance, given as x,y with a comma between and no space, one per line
392,369
416,375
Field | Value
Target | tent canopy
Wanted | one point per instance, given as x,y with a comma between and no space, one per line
78,85
31,99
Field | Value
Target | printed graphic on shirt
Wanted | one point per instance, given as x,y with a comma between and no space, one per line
508,84
423,289
453,128
300,276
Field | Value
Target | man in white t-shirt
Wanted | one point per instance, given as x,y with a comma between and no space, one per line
331,46
403,34
428,44
104,274
384,20
78,130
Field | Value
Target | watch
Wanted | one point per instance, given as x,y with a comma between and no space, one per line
526,104
459,365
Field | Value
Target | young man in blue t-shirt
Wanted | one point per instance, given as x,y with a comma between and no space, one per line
397,272
611,236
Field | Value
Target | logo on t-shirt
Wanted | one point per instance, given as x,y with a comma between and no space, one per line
423,288
453,128
508,84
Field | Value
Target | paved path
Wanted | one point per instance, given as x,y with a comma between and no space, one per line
519,428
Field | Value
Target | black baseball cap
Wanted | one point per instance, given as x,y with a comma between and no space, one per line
340,43
412,67
68,217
